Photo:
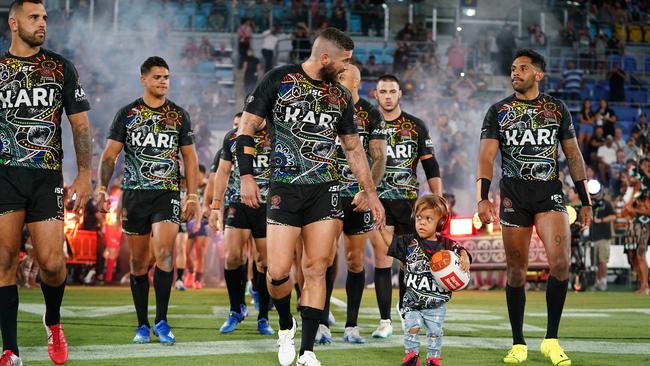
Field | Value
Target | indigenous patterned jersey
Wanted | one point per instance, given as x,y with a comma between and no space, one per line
33,93
529,132
407,141
422,290
370,126
304,116
152,138
261,171
229,141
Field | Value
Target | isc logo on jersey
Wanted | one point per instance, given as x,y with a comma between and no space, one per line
298,115
36,97
159,140
540,136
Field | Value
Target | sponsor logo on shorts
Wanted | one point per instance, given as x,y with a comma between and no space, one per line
275,201
366,218
507,205
557,198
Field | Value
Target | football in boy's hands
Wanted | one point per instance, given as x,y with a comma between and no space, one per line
445,267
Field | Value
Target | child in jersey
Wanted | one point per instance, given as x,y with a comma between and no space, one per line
425,303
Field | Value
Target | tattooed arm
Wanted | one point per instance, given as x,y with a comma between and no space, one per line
106,169
377,150
356,157
250,191
82,185
577,170
574,159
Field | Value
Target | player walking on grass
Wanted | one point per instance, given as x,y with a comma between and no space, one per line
36,85
408,143
306,110
528,127
152,130
357,219
240,222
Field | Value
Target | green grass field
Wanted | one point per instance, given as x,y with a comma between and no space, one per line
597,329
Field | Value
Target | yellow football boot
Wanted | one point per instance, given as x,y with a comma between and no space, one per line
551,349
517,354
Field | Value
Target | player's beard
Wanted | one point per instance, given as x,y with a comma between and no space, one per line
524,86
329,74
30,39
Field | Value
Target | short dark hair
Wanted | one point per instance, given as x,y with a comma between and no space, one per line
152,62
19,4
340,39
239,114
536,59
388,77
202,168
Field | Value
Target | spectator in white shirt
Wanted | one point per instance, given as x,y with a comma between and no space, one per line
606,157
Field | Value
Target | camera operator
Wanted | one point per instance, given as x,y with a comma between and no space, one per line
600,233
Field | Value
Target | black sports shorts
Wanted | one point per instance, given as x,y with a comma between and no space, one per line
240,216
302,204
141,208
355,223
399,213
37,191
521,200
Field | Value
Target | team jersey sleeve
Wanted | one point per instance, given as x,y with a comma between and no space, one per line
346,125
490,129
377,124
425,144
226,153
398,247
215,162
455,246
74,96
186,135
566,124
260,102
118,127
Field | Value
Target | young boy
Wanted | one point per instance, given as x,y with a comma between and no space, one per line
424,303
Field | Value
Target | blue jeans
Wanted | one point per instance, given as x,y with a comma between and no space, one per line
432,320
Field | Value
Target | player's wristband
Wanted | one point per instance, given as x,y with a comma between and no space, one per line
581,187
193,197
483,189
245,153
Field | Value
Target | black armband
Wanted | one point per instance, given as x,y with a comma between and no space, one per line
581,188
245,152
483,189
431,167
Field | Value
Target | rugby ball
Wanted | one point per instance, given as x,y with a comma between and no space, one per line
445,267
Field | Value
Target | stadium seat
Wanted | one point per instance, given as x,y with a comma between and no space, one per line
646,33
613,58
200,21
206,8
620,32
637,96
206,67
629,64
189,8
355,23
182,21
376,51
626,113
634,33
